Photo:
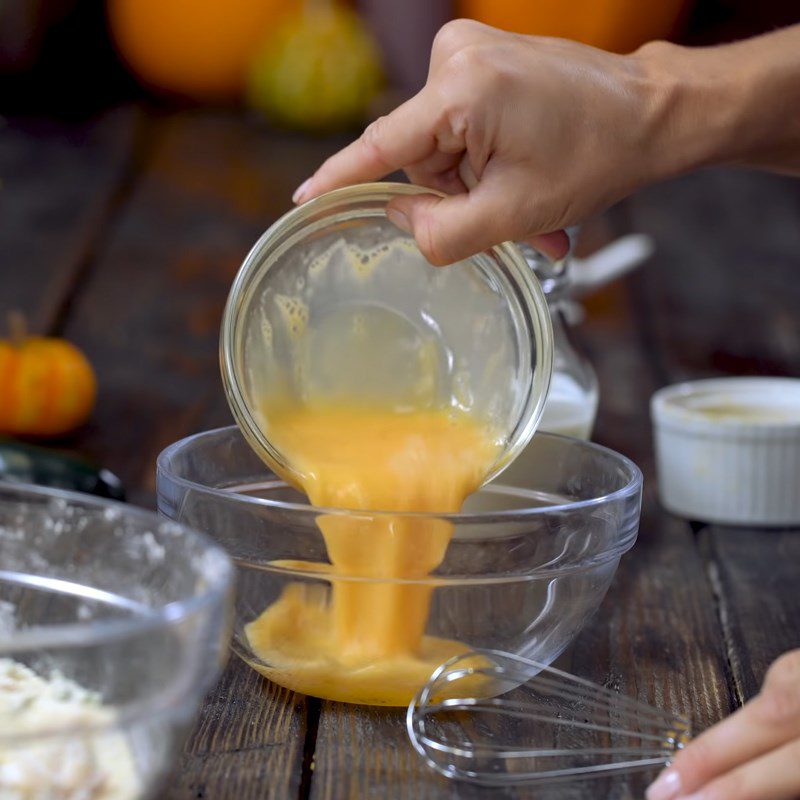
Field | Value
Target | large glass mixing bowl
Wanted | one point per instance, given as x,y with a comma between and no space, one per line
113,625
522,569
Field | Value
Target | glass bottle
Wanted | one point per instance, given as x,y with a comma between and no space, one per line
571,405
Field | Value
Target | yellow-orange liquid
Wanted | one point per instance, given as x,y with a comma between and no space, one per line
362,640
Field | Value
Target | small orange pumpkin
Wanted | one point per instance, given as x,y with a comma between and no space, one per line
47,386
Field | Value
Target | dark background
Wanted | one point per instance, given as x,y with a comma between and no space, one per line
70,68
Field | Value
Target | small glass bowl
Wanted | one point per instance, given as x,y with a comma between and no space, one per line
127,613
334,301
522,572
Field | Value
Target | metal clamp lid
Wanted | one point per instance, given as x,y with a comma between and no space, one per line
573,277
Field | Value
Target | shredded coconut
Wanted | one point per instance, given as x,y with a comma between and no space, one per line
66,766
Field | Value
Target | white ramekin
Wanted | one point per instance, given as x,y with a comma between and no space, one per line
728,450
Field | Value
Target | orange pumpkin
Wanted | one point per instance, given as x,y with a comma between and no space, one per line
196,48
47,386
617,25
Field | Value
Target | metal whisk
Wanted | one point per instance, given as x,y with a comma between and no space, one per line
493,718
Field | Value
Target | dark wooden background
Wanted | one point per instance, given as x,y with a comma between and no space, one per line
123,233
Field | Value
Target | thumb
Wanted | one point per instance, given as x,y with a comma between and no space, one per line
451,228
448,229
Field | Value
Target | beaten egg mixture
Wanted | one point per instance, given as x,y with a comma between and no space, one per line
363,640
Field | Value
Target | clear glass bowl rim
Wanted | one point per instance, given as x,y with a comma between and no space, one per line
631,487
383,191
81,634
619,542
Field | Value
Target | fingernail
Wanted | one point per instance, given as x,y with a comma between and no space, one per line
399,219
554,252
554,245
666,787
302,191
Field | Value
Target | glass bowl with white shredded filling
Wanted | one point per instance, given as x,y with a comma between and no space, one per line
113,625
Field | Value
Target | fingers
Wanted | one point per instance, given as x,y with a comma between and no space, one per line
555,245
775,776
405,136
449,229
763,725
736,740
437,171
454,36
447,182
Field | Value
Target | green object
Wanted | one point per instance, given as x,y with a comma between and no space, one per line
27,463
319,71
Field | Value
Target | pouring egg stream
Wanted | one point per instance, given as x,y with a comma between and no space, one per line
387,390
365,642
394,446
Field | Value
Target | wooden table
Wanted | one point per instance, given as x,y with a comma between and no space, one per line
124,234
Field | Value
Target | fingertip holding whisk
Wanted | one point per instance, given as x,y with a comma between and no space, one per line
495,719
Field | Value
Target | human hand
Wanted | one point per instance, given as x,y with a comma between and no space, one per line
526,135
752,755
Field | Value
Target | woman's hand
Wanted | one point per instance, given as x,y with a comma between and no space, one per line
527,135
752,755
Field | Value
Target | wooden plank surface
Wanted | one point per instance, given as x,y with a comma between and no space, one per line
248,742
722,298
721,294
657,636
756,574
60,183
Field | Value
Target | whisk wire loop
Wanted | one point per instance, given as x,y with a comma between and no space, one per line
495,718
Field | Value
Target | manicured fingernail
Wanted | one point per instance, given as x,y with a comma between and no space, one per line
399,219
302,191
666,787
